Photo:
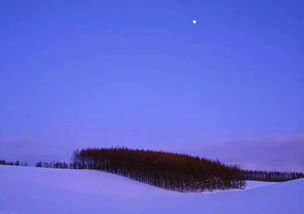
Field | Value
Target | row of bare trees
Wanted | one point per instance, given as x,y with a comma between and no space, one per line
57,164
13,163
176,172
273,176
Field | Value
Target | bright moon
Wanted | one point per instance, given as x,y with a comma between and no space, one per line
194,21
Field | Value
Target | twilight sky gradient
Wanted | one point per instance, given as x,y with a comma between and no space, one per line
140,74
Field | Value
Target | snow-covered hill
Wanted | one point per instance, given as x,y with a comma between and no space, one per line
28,190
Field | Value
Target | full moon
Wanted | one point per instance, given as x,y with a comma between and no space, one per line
194,21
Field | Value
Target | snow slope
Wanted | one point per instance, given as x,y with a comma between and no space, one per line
29,190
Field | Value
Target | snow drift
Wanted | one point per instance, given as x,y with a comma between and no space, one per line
28,190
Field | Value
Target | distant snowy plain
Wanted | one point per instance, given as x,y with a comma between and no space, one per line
30,190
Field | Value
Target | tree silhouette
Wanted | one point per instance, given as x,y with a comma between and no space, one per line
177,172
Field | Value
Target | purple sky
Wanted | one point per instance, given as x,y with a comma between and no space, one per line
140,74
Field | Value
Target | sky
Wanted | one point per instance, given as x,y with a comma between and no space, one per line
77,74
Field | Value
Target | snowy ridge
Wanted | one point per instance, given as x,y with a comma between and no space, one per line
28,190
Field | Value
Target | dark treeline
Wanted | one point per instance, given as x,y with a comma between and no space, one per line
271,176
13,163
58,165
176,172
